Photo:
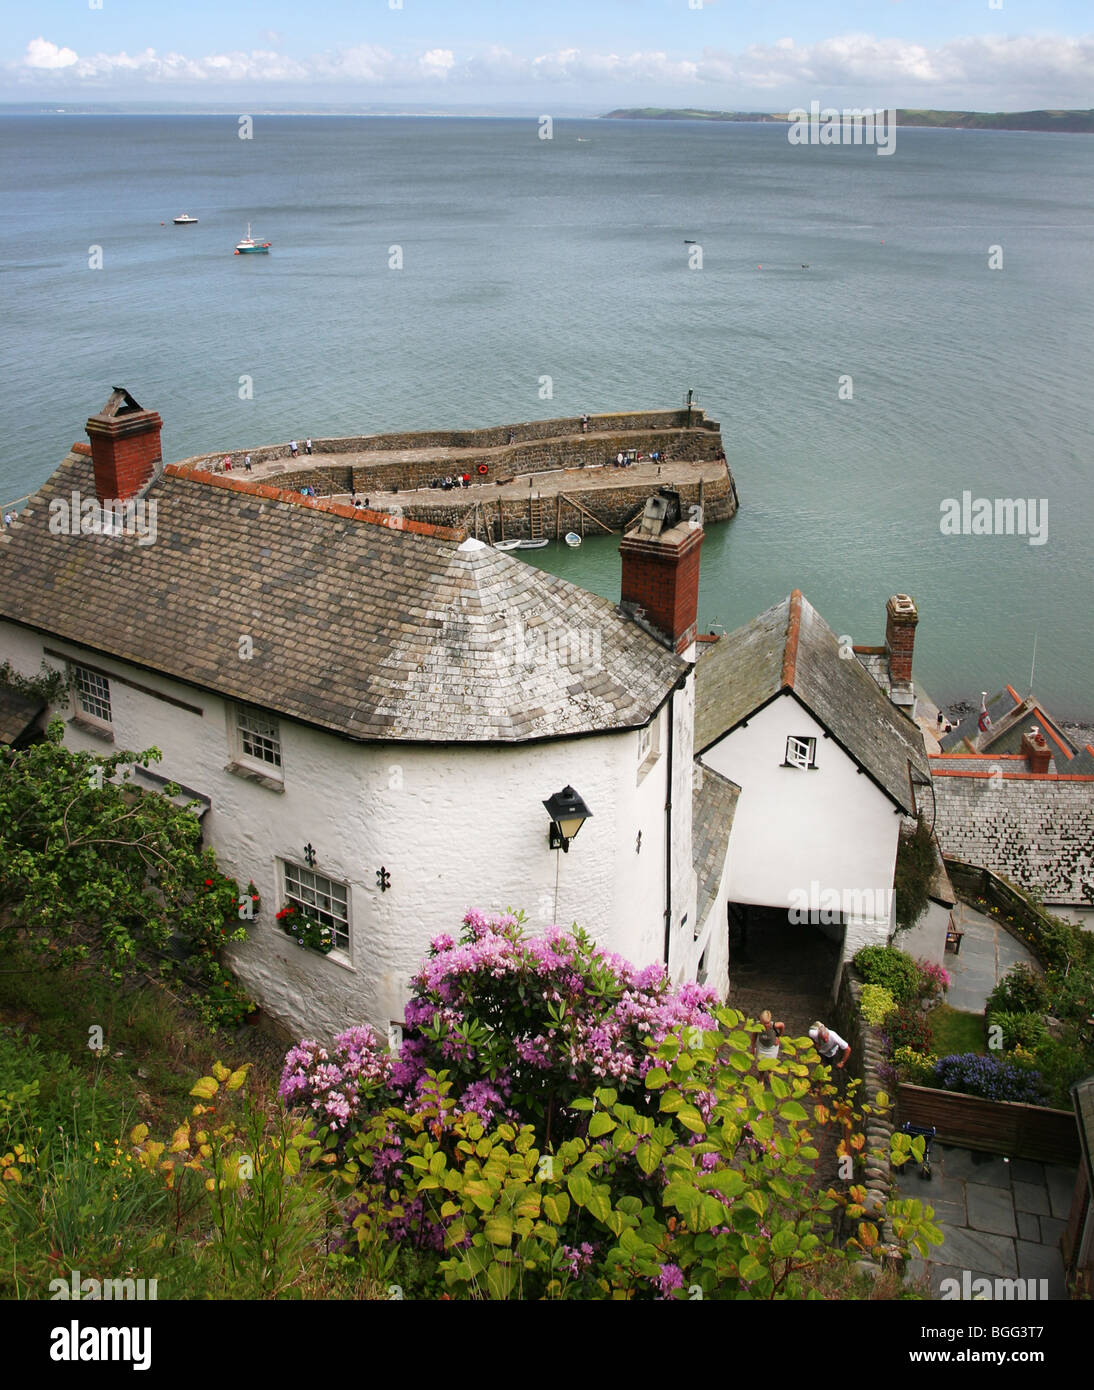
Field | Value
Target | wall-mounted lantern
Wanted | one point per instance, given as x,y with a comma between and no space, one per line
568,814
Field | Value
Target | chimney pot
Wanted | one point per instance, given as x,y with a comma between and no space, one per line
1036,751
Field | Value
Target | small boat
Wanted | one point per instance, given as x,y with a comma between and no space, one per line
532,545
253,246
184,220
506,545
572,538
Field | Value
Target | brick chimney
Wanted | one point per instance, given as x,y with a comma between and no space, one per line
125,446
1036,751
661,571
901,617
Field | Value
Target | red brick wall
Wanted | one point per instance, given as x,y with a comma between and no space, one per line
124,453
900,624
661,576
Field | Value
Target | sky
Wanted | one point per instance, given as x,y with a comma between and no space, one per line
592,55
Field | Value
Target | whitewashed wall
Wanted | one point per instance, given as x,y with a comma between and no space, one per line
792,828
455,828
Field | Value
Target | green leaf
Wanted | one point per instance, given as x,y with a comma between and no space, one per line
206,1088
556,1207
580,1188
649,1156
656,1077
751,1269
784,1243
601,1123
498,1228
499,1280
600,1202
688,1115
791,1110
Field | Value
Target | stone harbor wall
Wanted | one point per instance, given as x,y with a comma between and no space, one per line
509,518
605,433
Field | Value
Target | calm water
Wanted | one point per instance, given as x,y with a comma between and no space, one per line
526,258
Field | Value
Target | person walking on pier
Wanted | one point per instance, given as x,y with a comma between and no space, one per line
307,446
294,448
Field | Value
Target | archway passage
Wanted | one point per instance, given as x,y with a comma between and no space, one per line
776,964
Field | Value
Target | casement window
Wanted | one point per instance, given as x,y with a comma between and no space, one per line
258,742
801,752
649,746
325,900
91,696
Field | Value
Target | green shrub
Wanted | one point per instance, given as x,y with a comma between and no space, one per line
909,1028
913,1066
885,965
1019,1029
1062,1062
1022,990
877,1003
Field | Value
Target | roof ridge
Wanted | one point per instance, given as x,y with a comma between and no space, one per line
793,633
254,488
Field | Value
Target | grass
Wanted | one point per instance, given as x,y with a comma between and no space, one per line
956,1032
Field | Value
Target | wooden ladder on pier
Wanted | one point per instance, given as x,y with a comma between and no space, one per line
535,518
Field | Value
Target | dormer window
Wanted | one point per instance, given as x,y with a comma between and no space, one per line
800,752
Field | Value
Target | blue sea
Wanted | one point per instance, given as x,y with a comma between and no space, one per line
525,260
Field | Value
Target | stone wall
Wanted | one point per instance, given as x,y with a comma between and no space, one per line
509,518
497,436
867,1055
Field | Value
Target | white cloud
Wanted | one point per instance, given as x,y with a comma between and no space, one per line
1038,69
41,54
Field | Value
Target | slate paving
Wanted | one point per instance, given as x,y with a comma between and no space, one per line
995,1218
987,952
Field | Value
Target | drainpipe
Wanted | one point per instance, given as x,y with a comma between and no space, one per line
668,837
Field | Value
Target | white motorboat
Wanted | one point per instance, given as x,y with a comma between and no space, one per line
184,220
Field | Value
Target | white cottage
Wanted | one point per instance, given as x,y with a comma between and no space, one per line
373,716
825,765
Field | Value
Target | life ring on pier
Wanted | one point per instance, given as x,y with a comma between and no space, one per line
483,469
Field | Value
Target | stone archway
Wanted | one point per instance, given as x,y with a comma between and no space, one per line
786,967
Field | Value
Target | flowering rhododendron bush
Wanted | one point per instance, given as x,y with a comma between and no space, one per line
561,1124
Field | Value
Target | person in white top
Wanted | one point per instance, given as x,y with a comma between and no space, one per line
829,1044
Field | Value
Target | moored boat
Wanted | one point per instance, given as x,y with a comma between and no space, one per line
184,220
532,545
252,246
506,545
572,538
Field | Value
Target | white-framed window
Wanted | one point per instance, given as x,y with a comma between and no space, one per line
801,752
326,900
91,695
258,742
649,745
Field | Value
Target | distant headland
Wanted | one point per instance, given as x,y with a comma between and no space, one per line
1066,122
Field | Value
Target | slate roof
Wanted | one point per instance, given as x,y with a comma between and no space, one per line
1011,717
713,804
1036,831
791,648
17,713
368,631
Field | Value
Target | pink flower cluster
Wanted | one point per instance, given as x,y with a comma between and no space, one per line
334,1085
